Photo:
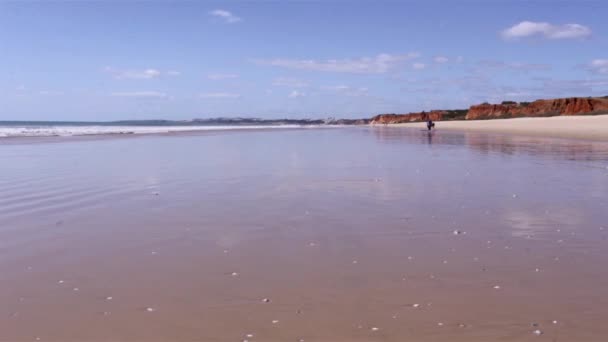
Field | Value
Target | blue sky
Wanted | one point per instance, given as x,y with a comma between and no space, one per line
179,60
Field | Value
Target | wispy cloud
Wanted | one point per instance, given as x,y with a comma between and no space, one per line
336,87
379,64
140,94
514,66
50,92
546,30
139,74
226,16
418,66
441,59
220,77
347,90
289,82
219,95
295,94
599,66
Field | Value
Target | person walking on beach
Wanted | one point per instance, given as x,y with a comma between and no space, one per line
430,124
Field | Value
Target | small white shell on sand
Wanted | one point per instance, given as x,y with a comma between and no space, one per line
75,289
554,322
415,305
234,274
266,300
150,309
109,298
496,287
537,332
275,321
375,329
440,324
61,282
249,335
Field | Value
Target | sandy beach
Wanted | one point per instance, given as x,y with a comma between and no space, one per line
351,234
571,127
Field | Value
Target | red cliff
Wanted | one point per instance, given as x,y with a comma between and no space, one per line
554,107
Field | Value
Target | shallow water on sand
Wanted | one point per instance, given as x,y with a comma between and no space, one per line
354,234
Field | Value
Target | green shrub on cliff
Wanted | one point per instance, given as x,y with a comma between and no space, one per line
455,114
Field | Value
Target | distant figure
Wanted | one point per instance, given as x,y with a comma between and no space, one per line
430,124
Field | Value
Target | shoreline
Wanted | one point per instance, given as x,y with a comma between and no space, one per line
26,139
594,128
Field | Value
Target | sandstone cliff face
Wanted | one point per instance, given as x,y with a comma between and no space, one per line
565,106
435,115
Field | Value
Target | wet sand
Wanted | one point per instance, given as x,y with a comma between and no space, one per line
572,127
354,234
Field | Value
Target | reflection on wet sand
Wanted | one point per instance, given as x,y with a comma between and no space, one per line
356,234
499,143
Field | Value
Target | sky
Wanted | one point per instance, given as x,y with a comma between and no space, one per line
177,60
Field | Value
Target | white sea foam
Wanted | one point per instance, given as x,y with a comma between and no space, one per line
66,131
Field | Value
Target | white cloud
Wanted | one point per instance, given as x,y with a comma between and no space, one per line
440,59
336,87
379,64
141,74
546,30
289,82
295,94
219,77
219,96
347,90
227,16
599,66
142,94
50,92
516,66
418,66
